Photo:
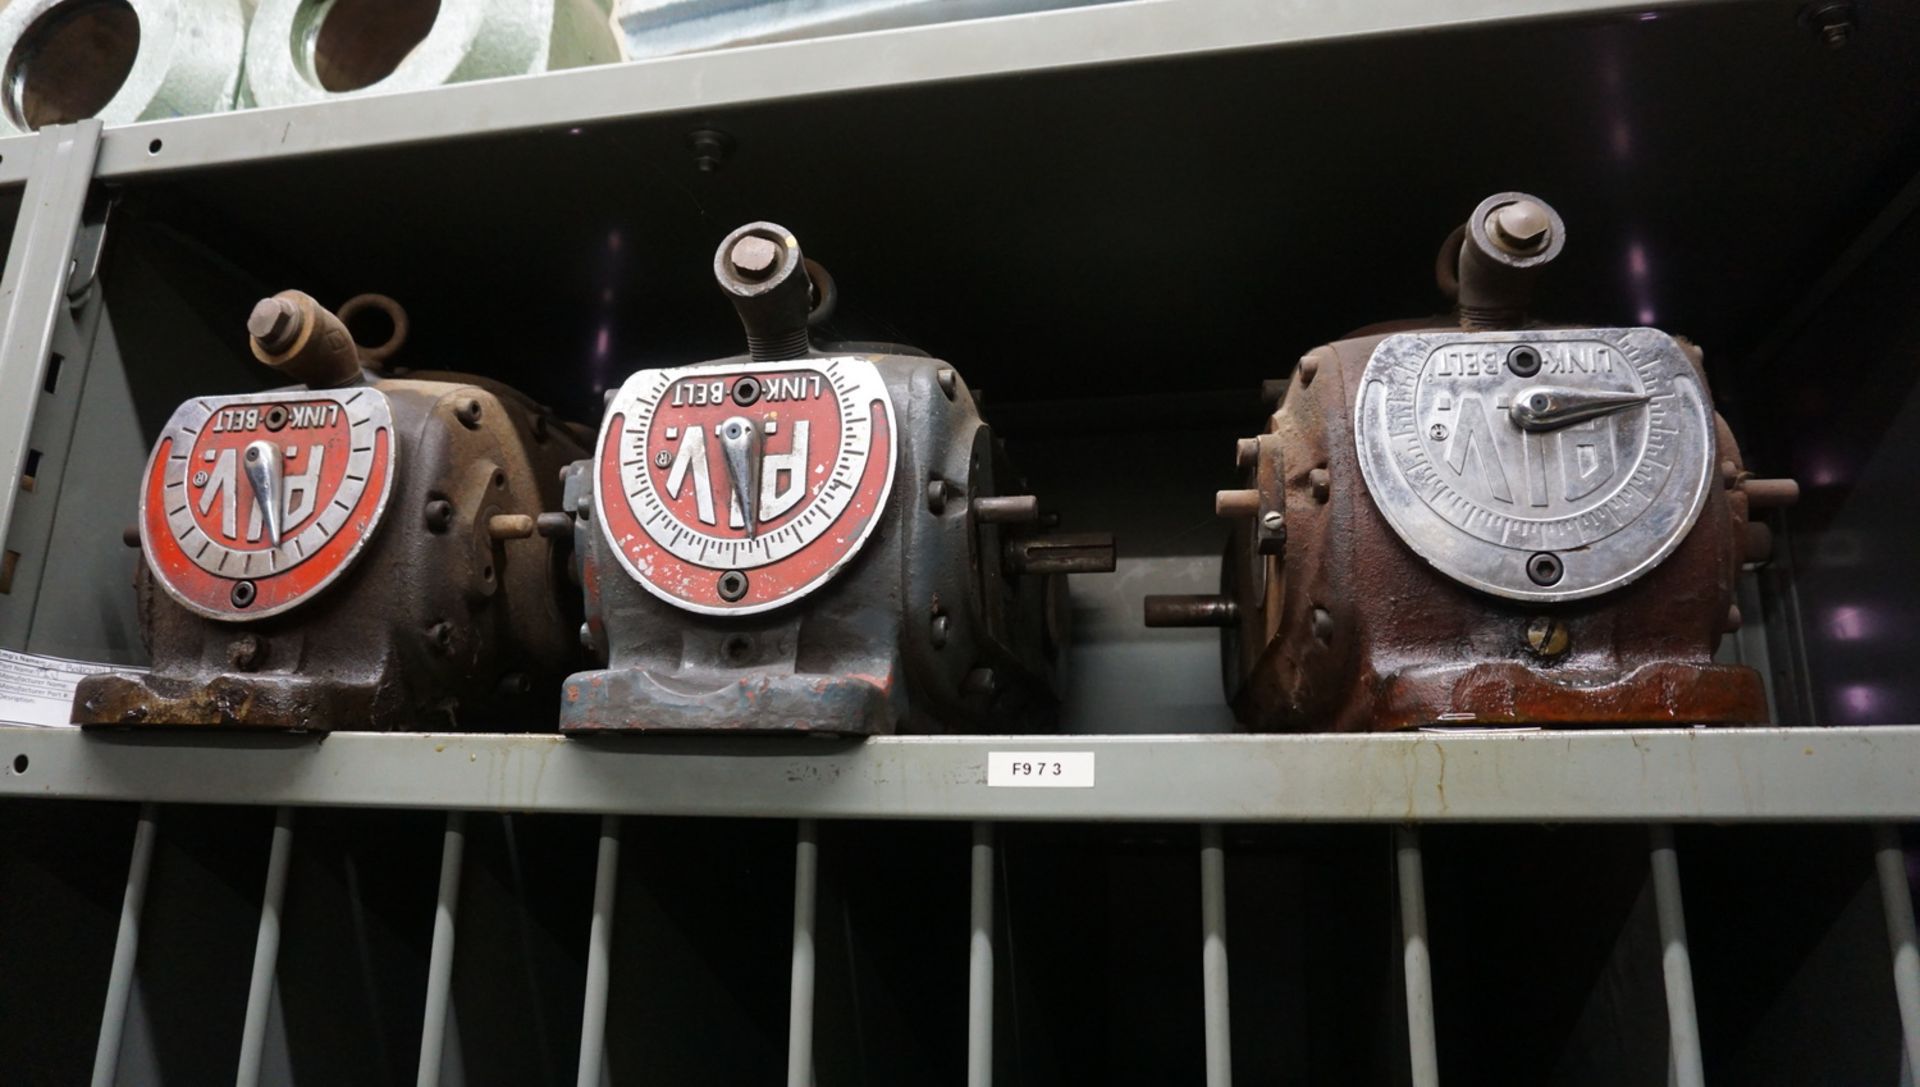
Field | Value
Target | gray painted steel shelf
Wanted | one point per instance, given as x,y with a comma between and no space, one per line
1011,45
1853,774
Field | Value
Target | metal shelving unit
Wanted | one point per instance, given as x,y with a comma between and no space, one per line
221,179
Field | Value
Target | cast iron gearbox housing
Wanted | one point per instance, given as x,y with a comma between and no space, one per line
1488,521
811,539
355,552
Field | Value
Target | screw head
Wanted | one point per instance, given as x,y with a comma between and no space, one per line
1438,432
754,257
242,594
1272,520
711,148
275,323
1520,227
732,586
1547,637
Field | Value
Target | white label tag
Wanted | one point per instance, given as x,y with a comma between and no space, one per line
1040,769
38,690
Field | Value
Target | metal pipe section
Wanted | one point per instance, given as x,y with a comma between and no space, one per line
433,1030
266,951
1422,1047
1213,956
1897,898
806,884
126,948
980,963
593,1019
1683,1029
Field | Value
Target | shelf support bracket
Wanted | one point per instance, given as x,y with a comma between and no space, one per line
34,287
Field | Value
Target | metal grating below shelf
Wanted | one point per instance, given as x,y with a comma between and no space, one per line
1684,1061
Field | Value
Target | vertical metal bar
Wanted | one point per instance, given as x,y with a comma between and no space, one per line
593,1021
980,963
806,884
126,949
34,286
1213,956
266,951
1422,1047
1897,898
433,1031
1683,1029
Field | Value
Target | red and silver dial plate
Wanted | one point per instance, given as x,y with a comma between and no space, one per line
251,504
812,440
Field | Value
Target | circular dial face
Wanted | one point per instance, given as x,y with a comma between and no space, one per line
254,503
1539,465
734,489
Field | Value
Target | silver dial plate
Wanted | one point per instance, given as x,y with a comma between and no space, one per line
1487,450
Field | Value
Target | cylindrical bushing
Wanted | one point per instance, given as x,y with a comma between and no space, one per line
303,51
118,60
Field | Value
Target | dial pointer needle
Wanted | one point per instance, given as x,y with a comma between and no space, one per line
263,477
740,441
1545,407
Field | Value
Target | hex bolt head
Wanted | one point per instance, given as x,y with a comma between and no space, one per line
1547,637
1520,227
275,322
1320,482
754,257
